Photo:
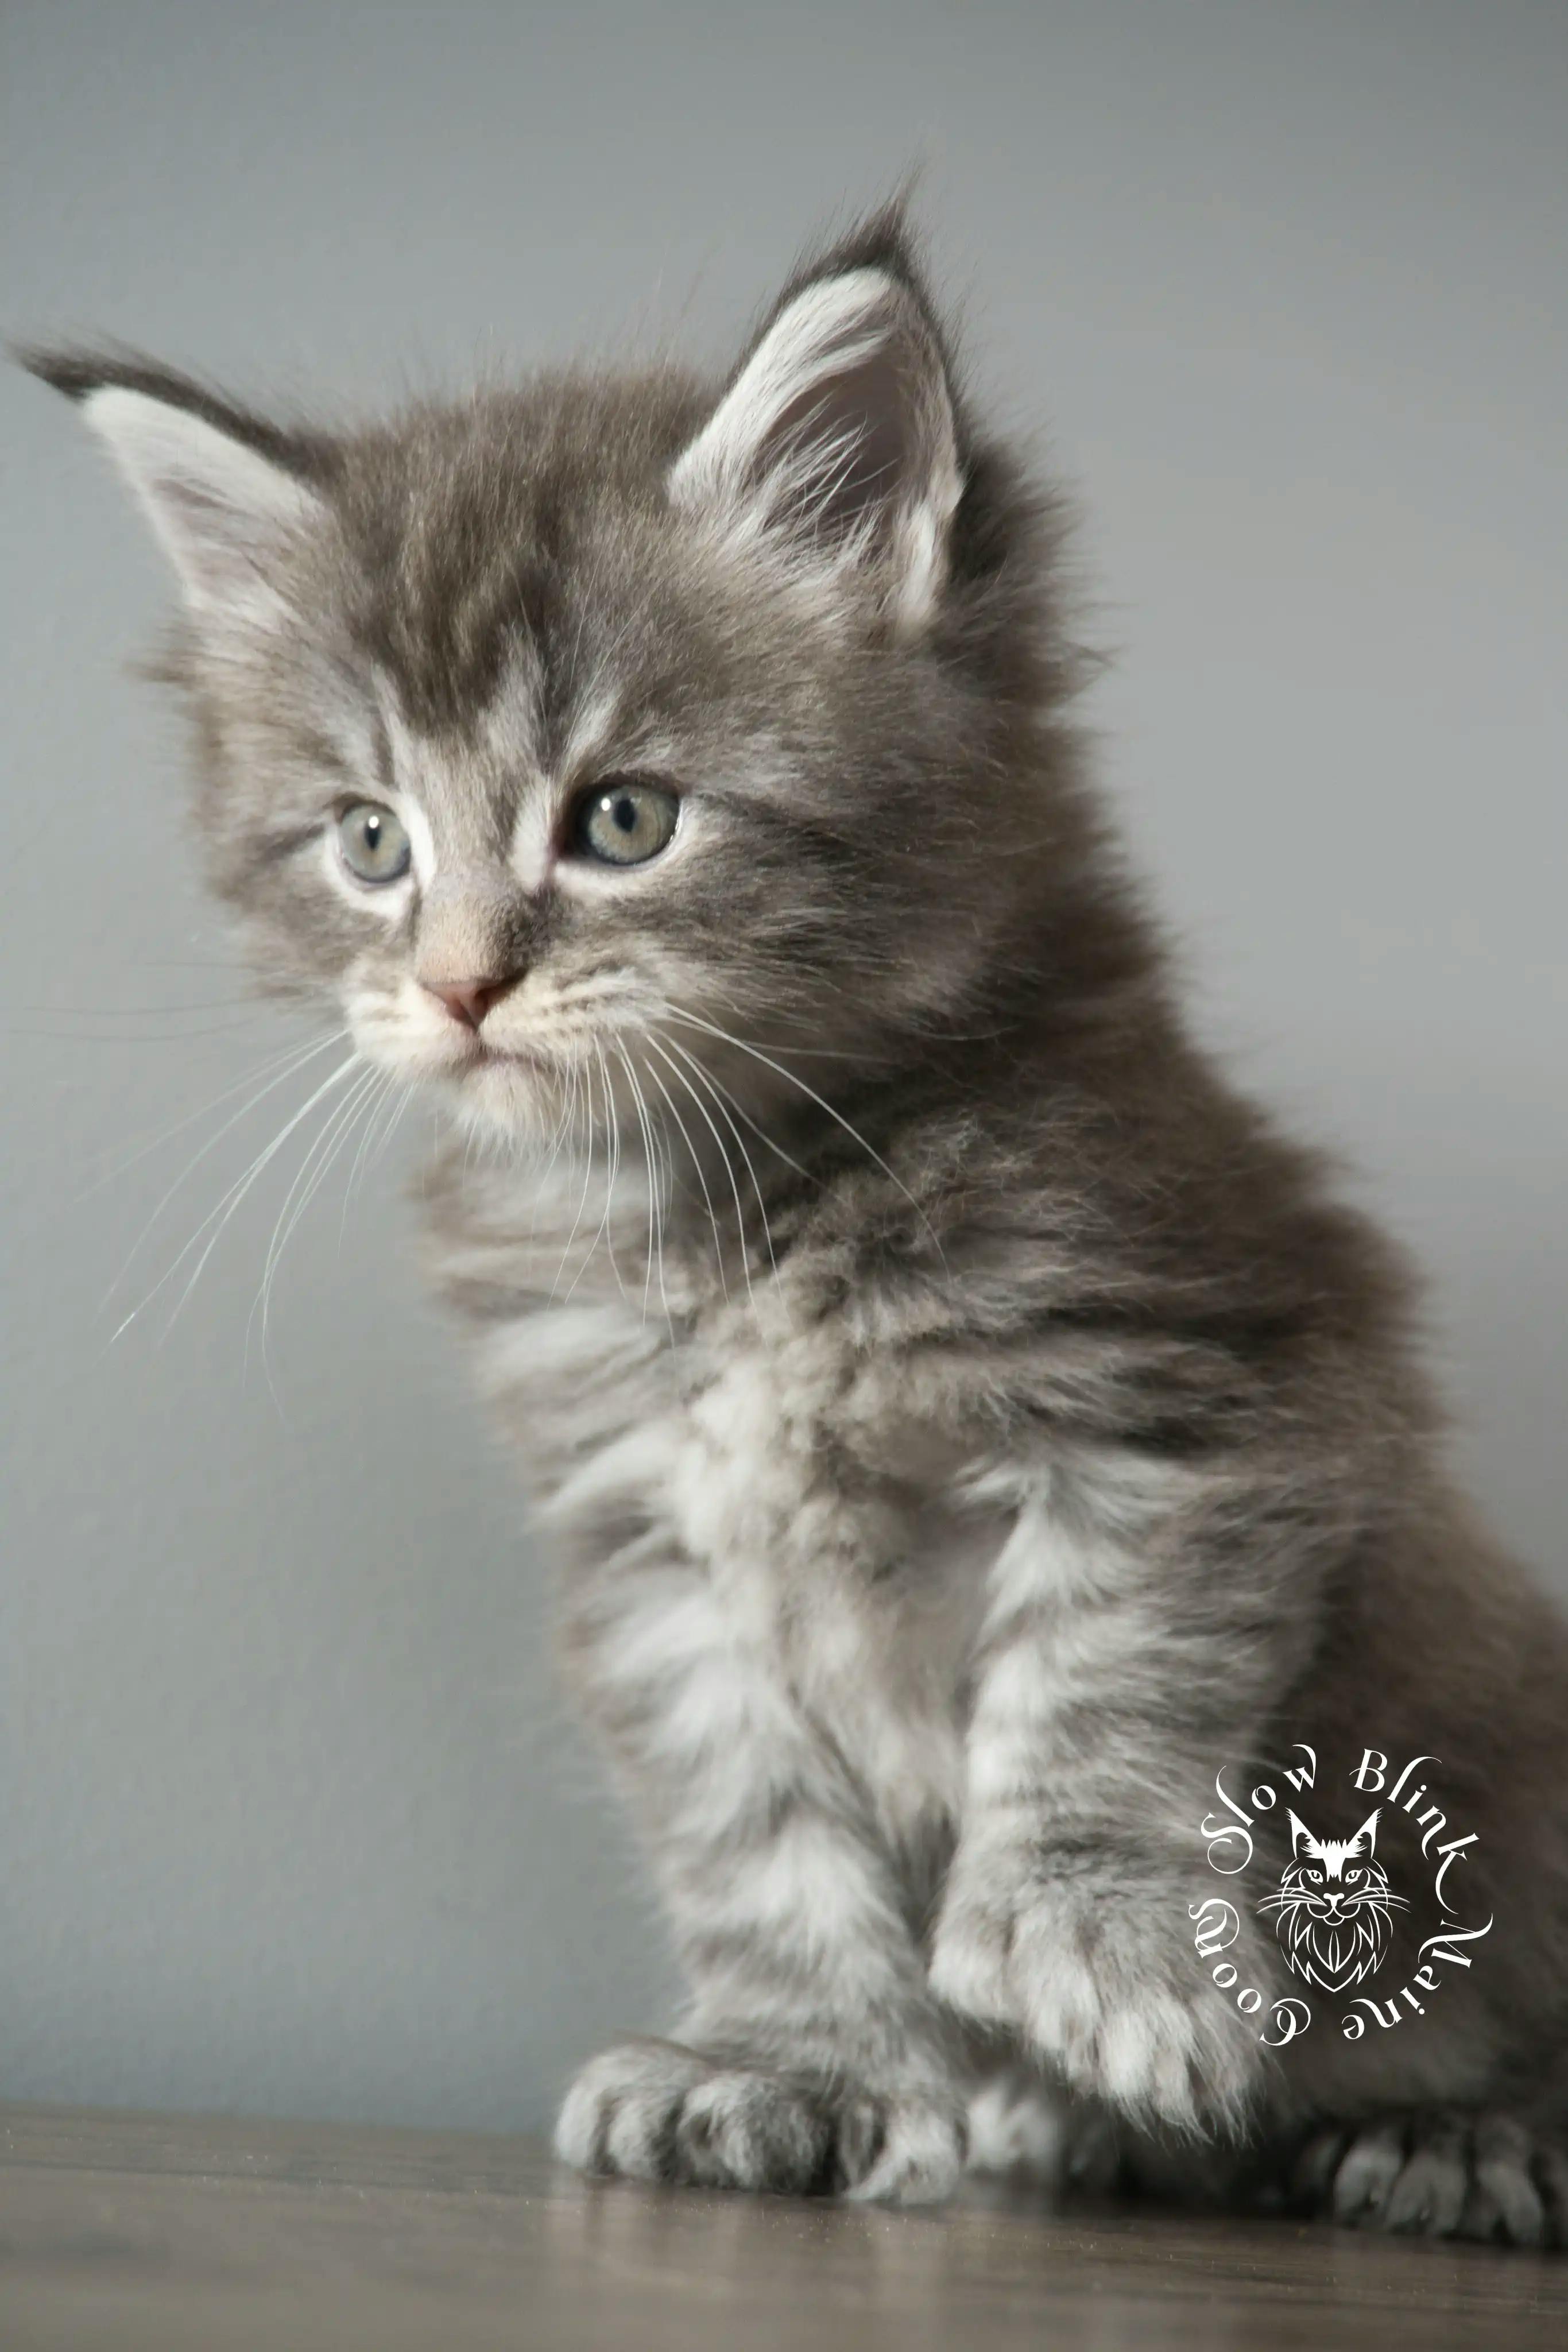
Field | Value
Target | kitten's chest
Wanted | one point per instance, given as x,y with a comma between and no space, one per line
861,1582
739,1431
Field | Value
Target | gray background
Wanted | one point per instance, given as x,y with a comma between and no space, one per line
288,1819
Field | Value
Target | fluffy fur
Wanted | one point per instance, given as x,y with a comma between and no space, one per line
962,1422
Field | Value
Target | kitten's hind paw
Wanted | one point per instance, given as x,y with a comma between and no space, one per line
1438,2175
657,2111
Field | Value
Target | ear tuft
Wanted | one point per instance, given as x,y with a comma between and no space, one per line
226,493
836,443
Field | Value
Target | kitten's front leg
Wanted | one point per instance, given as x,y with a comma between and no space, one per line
812,2057
1065,1917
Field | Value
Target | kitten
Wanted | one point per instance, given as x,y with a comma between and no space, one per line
963,1424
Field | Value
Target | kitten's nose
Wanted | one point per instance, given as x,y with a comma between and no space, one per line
468,1000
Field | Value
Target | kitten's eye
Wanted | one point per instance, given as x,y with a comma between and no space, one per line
1351,1876
1314,1877
624,823
374,844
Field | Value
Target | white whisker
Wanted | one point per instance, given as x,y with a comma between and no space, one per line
294,1059
361,1157
582,1203
338,1125
717,1087
655,1206
696,1159
607,1222
406,1094
707,1080
563,1128
712,1029
218,1217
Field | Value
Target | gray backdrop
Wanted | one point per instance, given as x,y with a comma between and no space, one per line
288,1819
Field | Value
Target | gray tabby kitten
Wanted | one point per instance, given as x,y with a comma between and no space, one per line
963,1424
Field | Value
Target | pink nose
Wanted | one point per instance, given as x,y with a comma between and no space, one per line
467,1000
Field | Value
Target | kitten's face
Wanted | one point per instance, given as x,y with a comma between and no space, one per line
541,728
671,782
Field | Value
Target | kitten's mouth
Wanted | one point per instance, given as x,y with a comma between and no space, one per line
509,1056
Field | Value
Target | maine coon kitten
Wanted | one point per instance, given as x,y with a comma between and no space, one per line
964,1426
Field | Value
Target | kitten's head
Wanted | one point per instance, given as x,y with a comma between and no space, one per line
532,722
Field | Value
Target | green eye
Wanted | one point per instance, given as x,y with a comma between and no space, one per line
374,844
625,823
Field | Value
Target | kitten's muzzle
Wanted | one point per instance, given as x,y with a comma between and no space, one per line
475,942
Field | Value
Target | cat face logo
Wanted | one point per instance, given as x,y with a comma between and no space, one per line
1334,1912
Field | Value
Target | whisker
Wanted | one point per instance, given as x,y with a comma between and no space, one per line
383,1143
360,1160
295,1056
655,1206
295,1060
606,1223
664,1161
562,1129
706,1077
717,1087
712,1029
335,1127
664,1155
697,1163
231,1201
582,1203
610,1147
648,1164
669,1047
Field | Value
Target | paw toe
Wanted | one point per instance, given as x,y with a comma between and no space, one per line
655,2111
911,2152
744,2131
1551,2173
620,2115
1436,2175
1504,2201
1428,2198
1364,2181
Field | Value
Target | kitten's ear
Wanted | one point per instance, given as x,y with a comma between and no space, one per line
1301,1839
224,500
836,442
1364,1841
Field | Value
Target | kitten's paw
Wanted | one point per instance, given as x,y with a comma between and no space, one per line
898,2149
1442,2175
1098,1981
654,2111
1028,2130
657,2111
